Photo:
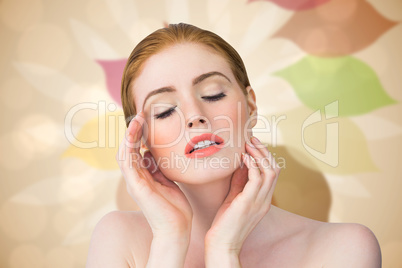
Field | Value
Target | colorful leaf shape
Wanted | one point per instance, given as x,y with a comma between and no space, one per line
351,152
114,71
297,4
336,28
104,132
320,81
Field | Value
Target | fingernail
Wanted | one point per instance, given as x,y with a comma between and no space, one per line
250,144
255,140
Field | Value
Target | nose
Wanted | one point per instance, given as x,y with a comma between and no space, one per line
197,121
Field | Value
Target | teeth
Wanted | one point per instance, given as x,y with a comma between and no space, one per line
202,144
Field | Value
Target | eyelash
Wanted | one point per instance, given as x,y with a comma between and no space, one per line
206,98
215,97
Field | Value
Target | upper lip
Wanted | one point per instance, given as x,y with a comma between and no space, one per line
202,137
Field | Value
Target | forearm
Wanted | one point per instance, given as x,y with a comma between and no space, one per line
168,253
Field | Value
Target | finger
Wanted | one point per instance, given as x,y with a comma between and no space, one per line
130,155
259,145
274,164
274,178
254,178
268,172
128,137
271,189
237,183
133,139
266,160
150,162
152,167
120,151
256,154
134,132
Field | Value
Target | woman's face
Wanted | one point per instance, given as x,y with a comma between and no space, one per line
187,90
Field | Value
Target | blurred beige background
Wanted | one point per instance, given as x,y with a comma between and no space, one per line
340,57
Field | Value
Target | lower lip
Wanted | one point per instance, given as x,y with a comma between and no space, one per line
206,151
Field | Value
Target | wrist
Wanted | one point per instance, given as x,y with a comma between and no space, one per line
221,258
179,232
214,244
177,239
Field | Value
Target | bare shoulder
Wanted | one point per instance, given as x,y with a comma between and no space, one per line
347,245
321,244
118,239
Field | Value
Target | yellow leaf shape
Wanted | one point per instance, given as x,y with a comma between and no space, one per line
333,144
98,140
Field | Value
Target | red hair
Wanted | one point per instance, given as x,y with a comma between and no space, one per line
165,37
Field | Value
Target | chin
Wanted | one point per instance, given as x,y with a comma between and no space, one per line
199,172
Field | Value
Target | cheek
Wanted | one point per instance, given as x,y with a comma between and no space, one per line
235,119
165,133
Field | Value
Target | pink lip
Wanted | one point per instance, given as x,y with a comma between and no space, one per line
206,151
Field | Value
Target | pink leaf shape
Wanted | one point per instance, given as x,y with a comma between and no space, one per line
296,4
114,71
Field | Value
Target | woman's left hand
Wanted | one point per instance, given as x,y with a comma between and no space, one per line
248,201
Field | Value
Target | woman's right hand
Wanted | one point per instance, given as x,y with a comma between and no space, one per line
164,205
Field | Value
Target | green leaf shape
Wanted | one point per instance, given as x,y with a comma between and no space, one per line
319,81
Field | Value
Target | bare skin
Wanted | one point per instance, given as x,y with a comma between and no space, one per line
215,217
296,242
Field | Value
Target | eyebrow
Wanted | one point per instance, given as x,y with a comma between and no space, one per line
196,81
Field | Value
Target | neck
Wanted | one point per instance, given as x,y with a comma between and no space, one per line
205,200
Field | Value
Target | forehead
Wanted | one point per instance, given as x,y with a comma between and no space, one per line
176,66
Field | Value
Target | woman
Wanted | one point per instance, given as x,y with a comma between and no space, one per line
204,184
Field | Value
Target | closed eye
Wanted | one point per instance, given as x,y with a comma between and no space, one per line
206,98
165,114
215,97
